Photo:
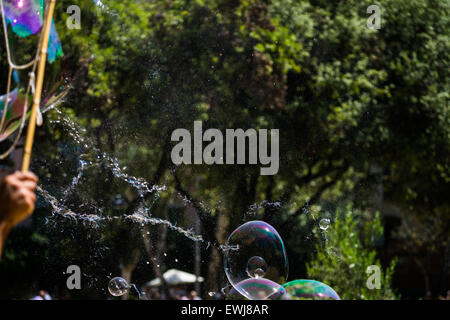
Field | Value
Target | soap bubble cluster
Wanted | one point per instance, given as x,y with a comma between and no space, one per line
256,266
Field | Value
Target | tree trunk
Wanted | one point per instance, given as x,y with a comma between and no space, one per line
155,254
215,267
127,269
426,277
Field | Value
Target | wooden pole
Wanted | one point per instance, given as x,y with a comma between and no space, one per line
39,82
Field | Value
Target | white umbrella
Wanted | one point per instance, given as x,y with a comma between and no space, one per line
174,277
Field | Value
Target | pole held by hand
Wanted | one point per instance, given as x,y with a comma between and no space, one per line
39,83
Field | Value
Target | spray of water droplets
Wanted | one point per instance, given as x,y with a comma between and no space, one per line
92,157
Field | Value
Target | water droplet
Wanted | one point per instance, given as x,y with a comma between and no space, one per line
324,224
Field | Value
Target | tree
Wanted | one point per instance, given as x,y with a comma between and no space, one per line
345,98
347,259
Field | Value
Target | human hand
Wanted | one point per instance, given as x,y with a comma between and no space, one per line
17,197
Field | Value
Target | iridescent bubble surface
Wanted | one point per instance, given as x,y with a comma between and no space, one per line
24,21
257,289
25,18
305,289
118,286
55,92
256,251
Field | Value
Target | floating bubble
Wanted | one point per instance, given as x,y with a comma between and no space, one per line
257,289
256,267
324,224
255,251
118,286
305,289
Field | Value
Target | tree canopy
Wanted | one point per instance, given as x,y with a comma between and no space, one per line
357,109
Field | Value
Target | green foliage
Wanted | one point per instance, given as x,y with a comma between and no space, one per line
348,251
345,98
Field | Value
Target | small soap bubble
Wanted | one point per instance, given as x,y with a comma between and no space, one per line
118,286
256,267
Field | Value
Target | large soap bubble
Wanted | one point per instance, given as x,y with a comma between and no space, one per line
24,24
257,289
256,251
305,289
